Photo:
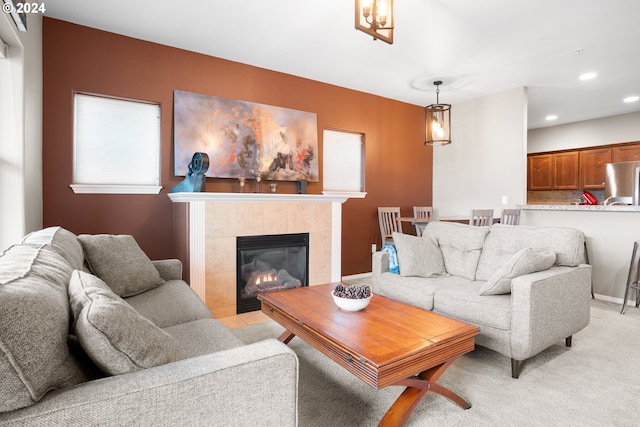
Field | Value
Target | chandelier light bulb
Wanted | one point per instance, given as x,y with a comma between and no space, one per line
366,8
382,12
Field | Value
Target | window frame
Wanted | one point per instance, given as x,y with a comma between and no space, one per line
118,188
340,133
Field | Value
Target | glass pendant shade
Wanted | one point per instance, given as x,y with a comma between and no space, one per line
437,124
437,121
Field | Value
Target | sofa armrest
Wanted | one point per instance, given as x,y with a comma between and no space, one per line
547,307
379,263
255,384
169,269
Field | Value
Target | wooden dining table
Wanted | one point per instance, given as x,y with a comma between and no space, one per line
416,221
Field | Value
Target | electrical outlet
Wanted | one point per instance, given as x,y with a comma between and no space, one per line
504,200
373,248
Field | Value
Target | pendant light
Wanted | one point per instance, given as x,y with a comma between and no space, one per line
437,121
375,17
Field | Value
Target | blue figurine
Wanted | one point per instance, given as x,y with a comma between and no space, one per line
194,181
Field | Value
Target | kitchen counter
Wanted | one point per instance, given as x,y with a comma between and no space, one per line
587,208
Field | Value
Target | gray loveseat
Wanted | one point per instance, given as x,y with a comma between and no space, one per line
525,287
143,350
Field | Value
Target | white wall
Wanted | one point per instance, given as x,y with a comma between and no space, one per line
20,129
589,133
486,159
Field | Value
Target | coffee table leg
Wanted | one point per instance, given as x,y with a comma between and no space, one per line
286,336
417,389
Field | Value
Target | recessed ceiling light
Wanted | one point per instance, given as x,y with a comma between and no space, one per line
629,99
588,76
551,117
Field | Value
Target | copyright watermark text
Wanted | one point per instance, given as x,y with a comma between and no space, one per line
13,6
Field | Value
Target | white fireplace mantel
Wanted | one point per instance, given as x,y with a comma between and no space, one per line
330,197
195,233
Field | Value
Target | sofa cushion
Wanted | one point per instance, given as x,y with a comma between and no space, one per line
120,263
171,303
416,291
523,262
418,257
460,244
463,302
62,241
114,335
34,326
202,337
504,241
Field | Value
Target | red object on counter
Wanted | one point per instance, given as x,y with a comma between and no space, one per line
589,199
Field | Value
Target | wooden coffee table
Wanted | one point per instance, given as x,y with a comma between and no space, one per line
387,343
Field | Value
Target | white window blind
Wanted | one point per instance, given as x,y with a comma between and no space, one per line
343,161
116,145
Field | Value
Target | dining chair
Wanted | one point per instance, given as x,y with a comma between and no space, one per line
389,219
481,217
510,217
421,212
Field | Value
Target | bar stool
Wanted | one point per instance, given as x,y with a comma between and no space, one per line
632,280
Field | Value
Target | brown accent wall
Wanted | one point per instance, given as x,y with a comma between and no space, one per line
76,58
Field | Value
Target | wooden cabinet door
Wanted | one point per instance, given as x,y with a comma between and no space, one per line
592,167
565,171
626,153
539,172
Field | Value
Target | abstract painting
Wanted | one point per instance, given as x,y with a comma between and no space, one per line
244,139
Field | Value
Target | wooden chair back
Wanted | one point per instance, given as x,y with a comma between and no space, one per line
421,212
481,217
389,219
510,217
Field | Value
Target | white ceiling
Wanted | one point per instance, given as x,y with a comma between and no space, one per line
477,47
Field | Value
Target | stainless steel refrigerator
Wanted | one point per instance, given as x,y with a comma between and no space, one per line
621,184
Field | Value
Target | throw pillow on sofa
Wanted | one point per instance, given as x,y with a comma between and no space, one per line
34,326
115,336
523,262
120,263
418,257
461,246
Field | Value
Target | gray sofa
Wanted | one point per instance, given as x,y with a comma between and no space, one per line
131,344
525,287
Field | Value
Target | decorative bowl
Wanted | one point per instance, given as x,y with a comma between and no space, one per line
350,304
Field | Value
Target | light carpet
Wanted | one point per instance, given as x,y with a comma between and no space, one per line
595,382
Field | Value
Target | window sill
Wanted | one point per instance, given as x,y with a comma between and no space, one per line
115,189
349,194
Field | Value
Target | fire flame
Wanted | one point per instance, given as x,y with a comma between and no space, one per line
265,278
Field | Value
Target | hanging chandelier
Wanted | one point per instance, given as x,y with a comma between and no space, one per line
437,119
375,17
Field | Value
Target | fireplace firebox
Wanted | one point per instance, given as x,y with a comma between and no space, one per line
269,263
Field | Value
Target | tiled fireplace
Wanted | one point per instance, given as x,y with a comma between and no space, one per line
207,225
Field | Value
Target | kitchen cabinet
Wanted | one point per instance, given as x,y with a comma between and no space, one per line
626,153
592,167
555,171
565,171
581,169
539,168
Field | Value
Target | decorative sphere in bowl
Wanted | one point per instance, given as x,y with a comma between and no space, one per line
352,297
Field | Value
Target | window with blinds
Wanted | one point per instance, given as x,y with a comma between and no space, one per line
116,146
343,161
